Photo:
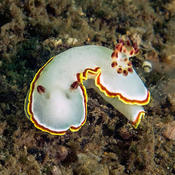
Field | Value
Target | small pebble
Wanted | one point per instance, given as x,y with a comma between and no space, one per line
169,131
147,66
124,133
56,171
62,152
72,41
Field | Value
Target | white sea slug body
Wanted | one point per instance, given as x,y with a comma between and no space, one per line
57,98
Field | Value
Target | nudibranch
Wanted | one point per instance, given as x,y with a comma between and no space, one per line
57,98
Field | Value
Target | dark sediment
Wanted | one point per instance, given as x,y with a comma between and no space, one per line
31,31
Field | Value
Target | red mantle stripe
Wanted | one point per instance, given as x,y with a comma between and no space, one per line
120,96
29,107
80,78
138,119
91,72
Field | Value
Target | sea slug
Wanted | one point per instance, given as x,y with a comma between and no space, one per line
57,98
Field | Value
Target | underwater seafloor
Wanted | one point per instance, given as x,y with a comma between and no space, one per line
31,31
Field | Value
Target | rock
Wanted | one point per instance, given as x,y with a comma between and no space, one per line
169,131
62,152
56,171
89,164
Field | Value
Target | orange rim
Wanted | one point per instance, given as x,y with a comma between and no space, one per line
138,119
80,78
120,96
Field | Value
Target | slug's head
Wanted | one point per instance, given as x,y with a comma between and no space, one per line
120,57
